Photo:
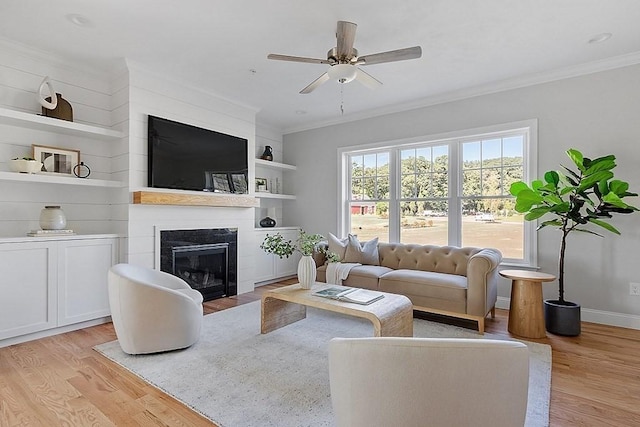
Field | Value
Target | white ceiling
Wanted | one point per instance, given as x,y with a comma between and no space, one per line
215,45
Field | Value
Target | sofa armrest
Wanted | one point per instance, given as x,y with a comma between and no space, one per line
482,281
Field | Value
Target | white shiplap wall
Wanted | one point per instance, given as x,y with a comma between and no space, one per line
152,94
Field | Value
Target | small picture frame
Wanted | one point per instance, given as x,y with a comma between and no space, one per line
56,160
221,183
261,185
239,182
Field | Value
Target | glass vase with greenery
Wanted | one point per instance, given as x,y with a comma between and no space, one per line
305,243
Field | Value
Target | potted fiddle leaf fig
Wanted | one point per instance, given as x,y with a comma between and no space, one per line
581,200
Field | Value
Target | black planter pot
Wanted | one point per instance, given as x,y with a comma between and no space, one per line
562,318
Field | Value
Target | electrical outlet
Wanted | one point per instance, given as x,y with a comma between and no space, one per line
634,288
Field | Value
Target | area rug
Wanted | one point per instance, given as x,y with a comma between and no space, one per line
237,377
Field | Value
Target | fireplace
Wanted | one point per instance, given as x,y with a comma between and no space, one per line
204,258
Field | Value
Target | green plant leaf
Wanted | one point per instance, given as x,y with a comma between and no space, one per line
577,158
612,199
552,177
567,190
582,230
536,213
552,199
536,184
618,187
517,187
591,180
551,223
560,207
527,199
604,225
600,165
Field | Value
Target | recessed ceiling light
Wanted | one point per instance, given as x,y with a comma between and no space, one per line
600,38
79,20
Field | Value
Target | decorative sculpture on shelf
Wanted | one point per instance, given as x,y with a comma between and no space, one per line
268,154
54,105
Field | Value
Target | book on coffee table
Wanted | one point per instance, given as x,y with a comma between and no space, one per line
353,295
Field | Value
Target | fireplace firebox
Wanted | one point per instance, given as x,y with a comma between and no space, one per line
205,258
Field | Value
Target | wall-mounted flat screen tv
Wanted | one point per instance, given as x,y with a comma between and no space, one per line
186,157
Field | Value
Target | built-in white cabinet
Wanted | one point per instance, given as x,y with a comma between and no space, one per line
269,267
47,283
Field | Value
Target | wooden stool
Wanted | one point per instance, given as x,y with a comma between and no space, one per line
526,313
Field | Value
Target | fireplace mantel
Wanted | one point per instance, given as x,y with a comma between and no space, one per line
181,199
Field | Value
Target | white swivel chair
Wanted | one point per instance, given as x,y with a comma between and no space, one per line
428,382
153,311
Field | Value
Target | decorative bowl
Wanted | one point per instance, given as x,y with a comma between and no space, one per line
25,166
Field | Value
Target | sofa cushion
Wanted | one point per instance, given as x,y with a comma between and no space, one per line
337,246
363,253
425,284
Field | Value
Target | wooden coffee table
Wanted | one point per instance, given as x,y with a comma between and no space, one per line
391,316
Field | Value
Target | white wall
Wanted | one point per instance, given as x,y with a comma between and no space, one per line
88,209
153,94
596,113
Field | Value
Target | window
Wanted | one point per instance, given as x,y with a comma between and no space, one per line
369,201
452,190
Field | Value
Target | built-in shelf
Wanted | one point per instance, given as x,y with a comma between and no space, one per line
34,121
186,199
274,165
261,195
54,179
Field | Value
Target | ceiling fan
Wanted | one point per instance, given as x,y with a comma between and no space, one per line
344,61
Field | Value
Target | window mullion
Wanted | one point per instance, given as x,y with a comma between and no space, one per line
454,214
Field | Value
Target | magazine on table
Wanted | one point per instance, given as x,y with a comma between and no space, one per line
353,295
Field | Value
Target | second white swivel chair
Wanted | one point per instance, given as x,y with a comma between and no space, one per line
428,382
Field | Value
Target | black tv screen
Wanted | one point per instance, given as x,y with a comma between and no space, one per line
186,157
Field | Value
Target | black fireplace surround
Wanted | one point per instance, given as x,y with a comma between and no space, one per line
207,259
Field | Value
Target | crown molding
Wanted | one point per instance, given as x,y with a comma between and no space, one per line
471,92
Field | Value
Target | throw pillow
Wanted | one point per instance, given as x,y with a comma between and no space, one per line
363,253
337,246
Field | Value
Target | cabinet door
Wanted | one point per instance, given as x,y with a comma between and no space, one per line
27,288
264,267
82,279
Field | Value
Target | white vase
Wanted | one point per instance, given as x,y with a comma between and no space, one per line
306,272
52,218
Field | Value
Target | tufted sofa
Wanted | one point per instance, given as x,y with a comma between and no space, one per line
453,281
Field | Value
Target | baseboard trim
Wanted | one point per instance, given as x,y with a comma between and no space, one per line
54,331
609,318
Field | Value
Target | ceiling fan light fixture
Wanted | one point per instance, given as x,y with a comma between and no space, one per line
342,73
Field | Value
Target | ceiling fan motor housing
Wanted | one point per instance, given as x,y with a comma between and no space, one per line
333,58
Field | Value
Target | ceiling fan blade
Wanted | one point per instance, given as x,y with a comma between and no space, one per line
314,84
346,35
391,56
296,59
367,79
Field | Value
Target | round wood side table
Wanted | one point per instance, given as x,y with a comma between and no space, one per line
526,312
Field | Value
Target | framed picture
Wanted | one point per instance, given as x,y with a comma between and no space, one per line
221,183
56,160
239,181
261,185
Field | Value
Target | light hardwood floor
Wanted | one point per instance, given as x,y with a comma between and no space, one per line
61,381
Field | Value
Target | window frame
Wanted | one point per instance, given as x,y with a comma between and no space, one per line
454,140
